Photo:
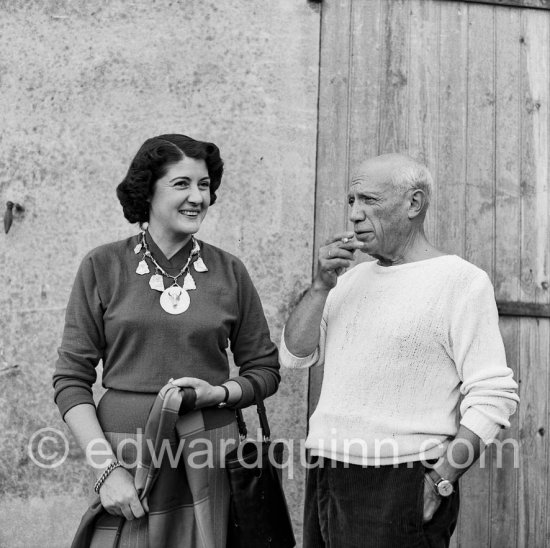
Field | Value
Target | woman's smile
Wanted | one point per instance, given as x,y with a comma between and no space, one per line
190,212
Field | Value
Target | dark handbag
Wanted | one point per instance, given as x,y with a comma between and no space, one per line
258,514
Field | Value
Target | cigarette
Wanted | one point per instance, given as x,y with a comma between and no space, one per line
346,240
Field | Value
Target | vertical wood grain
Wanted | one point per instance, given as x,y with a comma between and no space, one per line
393,114
365,80
333,137
479,227
535,76
424,92
507,158
450,178
533,413
480,174
535,341
505,456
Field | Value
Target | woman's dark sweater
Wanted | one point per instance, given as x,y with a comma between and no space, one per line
114,316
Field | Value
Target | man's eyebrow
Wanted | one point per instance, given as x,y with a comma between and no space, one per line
364,194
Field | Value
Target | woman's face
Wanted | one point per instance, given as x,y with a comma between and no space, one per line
180,199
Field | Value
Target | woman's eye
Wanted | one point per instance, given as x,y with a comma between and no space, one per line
181,183
205,184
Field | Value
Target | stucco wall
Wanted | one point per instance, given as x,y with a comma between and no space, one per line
82,84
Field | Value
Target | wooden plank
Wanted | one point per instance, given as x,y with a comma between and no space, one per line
505,458
479,227
535,75
333,138
424,93
450,178
364,80
535,333
507,158
533,439
537,4
504,479
480,171
393,114
529,310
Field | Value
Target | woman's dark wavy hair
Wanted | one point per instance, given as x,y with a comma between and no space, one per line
151,163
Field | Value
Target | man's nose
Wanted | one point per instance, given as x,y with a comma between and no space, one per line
356,214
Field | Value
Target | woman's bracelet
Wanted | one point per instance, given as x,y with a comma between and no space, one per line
113,466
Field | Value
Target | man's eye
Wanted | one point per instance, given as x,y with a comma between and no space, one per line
350,201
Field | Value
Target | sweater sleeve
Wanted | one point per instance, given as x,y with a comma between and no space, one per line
82,343
317,357
288,359
253,351
490,393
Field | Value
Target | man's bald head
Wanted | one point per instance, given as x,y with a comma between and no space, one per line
401,171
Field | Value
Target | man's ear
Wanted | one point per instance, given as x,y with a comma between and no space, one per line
417,203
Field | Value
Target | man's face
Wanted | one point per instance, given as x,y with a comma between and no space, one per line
378,210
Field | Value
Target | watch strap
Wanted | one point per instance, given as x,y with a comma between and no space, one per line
442,486
223,403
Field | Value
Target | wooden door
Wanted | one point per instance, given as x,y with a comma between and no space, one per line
465,88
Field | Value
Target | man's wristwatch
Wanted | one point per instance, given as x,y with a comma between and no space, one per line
223,403
443,487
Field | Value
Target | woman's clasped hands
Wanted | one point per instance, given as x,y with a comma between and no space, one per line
206,394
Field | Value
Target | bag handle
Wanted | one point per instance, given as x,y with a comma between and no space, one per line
262,414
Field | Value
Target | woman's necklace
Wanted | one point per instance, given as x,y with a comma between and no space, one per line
173,299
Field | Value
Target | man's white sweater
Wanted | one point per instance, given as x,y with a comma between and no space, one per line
400,345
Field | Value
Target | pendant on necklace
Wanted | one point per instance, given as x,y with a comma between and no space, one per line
142,268
200,266
188,282
156,283
174,300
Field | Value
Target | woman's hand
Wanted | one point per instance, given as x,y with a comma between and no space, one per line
334,257
431,501
207,395
119,496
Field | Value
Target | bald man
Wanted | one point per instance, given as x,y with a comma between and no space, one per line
401,338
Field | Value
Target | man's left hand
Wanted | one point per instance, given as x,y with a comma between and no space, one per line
431,501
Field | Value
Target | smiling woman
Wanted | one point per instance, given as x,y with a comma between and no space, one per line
179,203
160,309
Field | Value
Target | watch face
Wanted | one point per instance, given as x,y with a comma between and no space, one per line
445,488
